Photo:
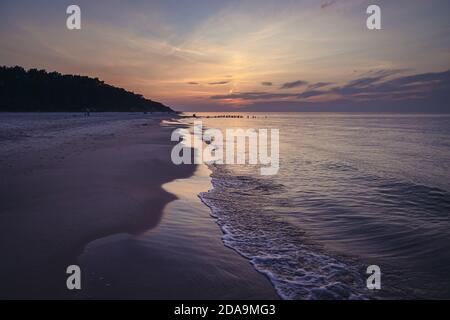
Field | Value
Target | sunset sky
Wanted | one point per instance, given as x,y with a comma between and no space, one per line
214,55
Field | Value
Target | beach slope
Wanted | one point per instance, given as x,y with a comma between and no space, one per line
68,180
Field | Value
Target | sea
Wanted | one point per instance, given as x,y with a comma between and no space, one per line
352,191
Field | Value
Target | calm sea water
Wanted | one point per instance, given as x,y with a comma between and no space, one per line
353,190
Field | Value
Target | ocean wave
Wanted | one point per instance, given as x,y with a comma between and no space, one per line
277,249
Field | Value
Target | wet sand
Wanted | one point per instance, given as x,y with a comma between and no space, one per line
185,252
67,183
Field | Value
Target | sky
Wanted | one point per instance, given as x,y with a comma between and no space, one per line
259,55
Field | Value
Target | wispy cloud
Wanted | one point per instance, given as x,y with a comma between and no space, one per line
253,96
294,84
372,76
218,83
381,86
319,85
267,83
328,4
193,83
311,93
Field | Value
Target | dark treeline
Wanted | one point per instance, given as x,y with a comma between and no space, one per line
38,90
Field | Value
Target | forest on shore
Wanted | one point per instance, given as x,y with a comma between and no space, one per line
41,91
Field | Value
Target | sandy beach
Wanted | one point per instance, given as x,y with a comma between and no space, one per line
89,191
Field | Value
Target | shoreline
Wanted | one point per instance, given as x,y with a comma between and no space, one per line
73,181
184,258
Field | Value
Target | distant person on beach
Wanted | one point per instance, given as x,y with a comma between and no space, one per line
87,113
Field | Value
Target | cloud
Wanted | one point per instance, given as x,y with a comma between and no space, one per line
218,83
373,77
193,83
319,85
295,84
328,4
379,86
385,72
267,83
311,93
254,96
